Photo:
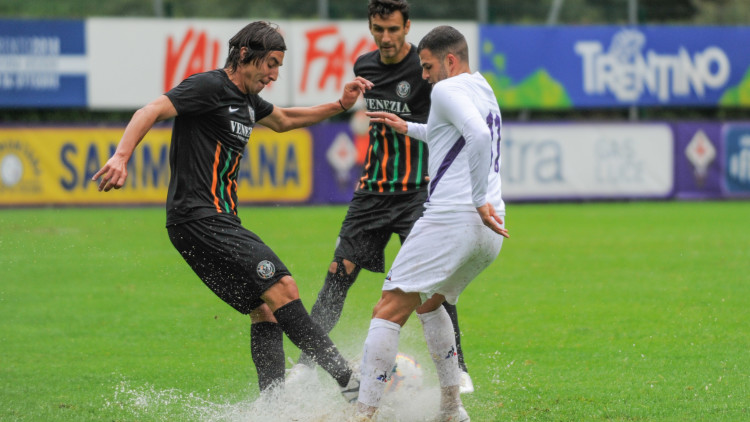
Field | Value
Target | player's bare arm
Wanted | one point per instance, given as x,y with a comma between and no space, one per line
492,220
390,119
284,119
115,170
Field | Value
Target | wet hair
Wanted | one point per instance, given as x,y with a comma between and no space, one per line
260,38
444,40
385,8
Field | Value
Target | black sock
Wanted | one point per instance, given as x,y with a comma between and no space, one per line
267,350
457,332
326,311
311,339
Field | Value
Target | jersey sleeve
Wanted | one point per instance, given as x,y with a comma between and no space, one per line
357,68
195,94
454,105
262,107
417,130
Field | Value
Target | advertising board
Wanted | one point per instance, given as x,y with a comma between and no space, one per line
587,161
736,159
43,63
55,166
566,67
153,55
133,61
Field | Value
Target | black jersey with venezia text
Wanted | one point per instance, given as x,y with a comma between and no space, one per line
394,163
213,124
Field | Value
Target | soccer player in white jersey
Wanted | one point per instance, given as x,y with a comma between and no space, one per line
461,231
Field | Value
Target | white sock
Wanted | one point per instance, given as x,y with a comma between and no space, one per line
378,358
441,343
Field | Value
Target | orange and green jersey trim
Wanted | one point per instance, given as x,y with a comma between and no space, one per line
224,180
394,162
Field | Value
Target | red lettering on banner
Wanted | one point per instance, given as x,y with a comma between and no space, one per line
336,60
203,56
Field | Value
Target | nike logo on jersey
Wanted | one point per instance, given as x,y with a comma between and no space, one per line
233,109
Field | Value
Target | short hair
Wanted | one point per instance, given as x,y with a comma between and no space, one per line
385,8
260,38
444,40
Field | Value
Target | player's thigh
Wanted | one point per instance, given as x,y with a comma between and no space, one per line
440,257
407,212
483,247
231,260
365,232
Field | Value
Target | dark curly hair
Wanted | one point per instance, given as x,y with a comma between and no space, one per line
384,8
260,38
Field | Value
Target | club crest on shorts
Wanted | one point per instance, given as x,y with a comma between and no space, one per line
403,89
266,269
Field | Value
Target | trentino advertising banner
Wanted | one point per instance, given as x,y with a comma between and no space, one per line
609,66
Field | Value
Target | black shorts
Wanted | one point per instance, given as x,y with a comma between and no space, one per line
370,222
231,260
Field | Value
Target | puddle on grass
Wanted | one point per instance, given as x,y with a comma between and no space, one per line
313,399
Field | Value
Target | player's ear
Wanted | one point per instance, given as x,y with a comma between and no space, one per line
451,60
407,26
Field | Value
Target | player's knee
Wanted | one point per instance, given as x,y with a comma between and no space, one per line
262,314
390,311
433,303
396,306
280,293
343,268
289,286
349,266
334,267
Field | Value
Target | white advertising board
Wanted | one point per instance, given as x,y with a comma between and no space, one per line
323,53
133,61
586,161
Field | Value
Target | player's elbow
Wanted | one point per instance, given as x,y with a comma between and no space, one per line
478,134
279,124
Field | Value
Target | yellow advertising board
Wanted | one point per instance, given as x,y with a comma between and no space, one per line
55,166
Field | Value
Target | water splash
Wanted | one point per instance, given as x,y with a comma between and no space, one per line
313,399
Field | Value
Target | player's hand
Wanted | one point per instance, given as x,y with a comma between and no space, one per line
352,90
389,119
492,220
113,174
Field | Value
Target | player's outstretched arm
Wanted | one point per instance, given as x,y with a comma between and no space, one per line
115,170
285,119
492,220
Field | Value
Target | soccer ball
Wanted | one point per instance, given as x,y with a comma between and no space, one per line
406,374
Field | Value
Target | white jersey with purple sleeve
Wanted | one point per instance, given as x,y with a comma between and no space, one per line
449,246
463,134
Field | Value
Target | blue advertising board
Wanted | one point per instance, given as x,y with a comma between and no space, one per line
42,63
737,159
612,66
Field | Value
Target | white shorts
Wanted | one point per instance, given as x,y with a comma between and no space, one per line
443,256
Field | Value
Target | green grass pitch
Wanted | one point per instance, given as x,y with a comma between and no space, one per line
593,312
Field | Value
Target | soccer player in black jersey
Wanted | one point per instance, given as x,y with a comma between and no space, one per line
214,113
392,190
